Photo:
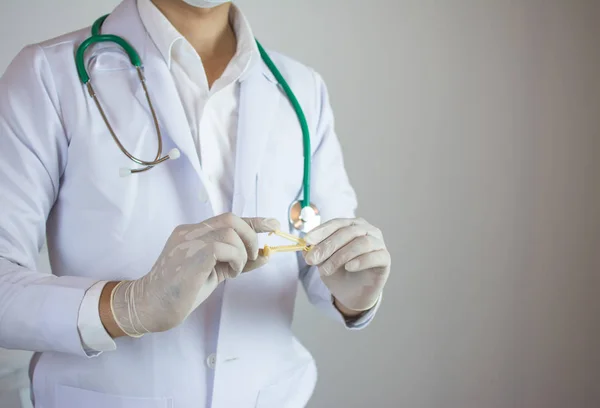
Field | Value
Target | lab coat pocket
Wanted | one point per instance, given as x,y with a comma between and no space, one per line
71,397
293,389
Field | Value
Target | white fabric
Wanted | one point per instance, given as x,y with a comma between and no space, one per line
212,115
93,334
206,3
59,178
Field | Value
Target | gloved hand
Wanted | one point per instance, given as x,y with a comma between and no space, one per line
195,259
352,259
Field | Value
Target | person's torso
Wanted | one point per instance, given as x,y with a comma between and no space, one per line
237,349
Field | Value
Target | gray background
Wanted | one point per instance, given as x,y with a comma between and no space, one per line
472,133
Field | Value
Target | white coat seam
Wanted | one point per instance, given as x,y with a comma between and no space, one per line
48,46
58,112
58,108
315,143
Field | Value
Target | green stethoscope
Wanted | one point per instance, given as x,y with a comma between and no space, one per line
303,215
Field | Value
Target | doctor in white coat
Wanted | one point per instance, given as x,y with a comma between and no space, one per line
159,297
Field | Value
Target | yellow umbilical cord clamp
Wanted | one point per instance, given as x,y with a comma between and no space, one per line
300,245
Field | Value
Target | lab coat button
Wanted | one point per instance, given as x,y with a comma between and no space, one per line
211,361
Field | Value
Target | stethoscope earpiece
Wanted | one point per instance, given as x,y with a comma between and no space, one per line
125,172
174,154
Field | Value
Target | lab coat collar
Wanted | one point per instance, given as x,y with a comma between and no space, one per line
160,30
165,36
125,20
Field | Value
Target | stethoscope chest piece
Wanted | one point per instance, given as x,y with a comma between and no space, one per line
304,219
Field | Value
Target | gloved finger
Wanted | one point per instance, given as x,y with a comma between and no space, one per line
258,263
228,254
263,225
229,220
375,259
327,229
226,236
325,249
359,246
224,259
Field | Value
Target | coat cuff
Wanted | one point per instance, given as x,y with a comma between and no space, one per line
94,336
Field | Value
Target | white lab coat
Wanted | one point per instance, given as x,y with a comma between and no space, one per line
59,175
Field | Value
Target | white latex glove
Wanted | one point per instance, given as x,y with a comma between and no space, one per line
195,259
352,259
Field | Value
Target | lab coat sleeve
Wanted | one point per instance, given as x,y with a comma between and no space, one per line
334,196
38,312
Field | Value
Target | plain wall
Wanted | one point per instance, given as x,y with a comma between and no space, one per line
471,130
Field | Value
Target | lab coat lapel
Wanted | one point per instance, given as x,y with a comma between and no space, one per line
125,22
259,99
168,106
